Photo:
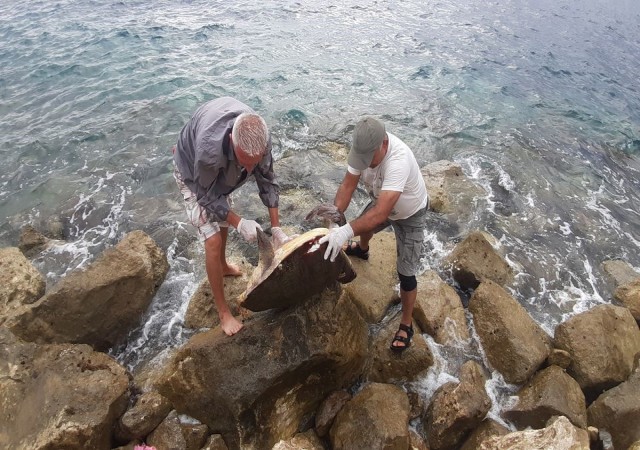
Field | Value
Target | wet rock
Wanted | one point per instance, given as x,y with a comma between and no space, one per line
629,296
20,282
617,411
417,404
619,272
374,289
488,428
168,434
58,396
550,393
301,441
438,310
282,360
32,241
202,313
100,305
559,435
602,342
149,411
417,442
474,260
376,418
457,408
328,410
450,192
195,436
514,343
385,366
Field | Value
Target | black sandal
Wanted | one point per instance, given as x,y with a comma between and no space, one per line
405,340
356,250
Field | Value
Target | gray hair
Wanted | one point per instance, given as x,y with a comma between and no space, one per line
250,133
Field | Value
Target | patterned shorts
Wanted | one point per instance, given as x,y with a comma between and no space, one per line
197,215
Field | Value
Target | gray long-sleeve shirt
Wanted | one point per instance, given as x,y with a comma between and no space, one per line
205,159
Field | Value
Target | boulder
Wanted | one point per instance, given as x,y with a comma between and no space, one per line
438,310
457,408
559,435
148,412
215,442
385,366
474,261
58,396
550,393
374,289
376,418
488,428
560,358
20,282
617,411
514,343
301,441
328,410
619,272
629,295
32,241
450,192
416,441
195,436
168,434
603,343
202,313
100,305
635,446
286,360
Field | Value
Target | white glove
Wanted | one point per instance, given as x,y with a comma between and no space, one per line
336,238
278,237
247,228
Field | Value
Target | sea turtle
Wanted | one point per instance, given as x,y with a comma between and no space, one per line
293,272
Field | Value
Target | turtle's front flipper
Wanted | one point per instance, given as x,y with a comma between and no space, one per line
347,274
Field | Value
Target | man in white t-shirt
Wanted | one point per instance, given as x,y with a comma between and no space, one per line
390,172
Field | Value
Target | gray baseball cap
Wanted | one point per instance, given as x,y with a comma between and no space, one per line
368,136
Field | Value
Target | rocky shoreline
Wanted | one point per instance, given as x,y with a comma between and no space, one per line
318,375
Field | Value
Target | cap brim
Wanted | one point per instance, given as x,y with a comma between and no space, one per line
359,162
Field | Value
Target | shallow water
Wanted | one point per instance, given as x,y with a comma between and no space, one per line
537,101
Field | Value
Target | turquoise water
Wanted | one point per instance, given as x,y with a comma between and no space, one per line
537,100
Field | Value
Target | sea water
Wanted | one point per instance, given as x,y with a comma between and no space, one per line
538,102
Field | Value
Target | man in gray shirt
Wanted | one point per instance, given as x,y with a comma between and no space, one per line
224,143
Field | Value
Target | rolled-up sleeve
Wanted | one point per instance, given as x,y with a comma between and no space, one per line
266,180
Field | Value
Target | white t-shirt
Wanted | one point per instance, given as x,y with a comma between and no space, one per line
397,172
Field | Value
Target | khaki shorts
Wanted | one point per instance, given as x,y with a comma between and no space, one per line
410,244
197,215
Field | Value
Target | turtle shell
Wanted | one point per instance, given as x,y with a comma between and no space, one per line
294,272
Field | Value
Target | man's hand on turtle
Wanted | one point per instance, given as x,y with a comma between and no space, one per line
278,237
336,239
247,229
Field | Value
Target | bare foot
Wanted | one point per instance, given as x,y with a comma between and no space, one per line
230,325
231,270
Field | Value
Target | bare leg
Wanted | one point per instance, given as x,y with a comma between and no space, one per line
364,240
408,299
214,255
228,269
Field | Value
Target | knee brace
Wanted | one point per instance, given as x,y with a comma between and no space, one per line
407,283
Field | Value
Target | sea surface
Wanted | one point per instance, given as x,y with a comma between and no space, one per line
538,101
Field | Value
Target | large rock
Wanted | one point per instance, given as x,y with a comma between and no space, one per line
488,428
281,361
32,241
385,366
376,418
374,289
629,296
603,343
619,272
100,305
457,408
168,434
550,393
301,441
474,260
513,342
149,411
328,411
439,311
20,282
618,412
58,396
560,435
450,192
